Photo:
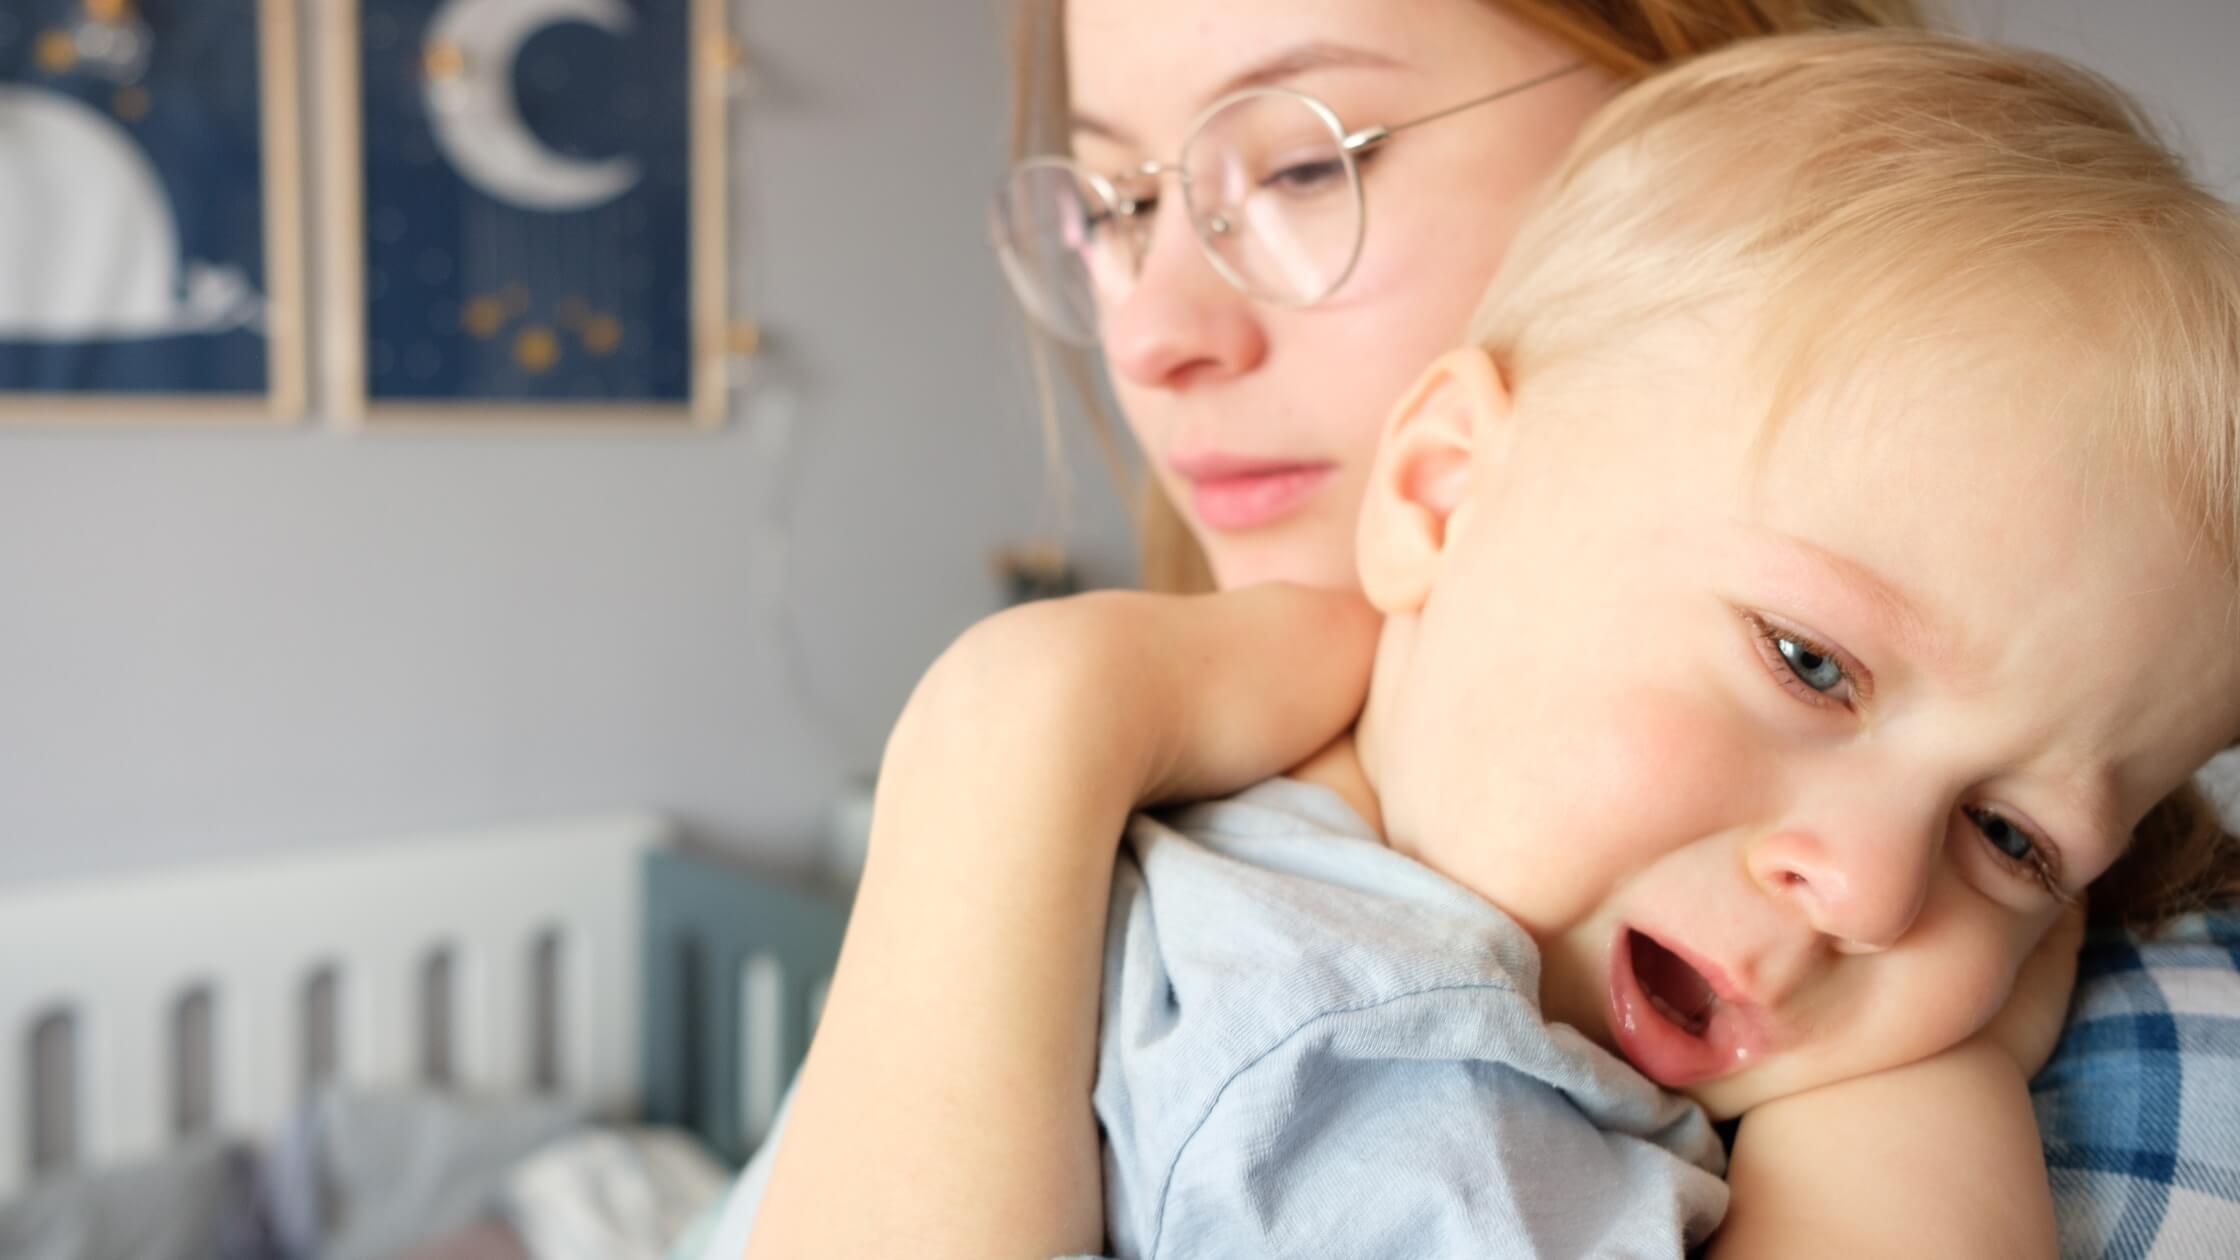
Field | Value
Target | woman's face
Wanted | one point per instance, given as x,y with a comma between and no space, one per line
1259,420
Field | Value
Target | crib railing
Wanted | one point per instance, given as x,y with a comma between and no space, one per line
139,1010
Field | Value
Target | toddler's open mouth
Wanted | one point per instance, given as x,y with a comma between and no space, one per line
1677,990
1671,1020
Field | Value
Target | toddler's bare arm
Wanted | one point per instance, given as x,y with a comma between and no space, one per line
945,1107
1938,1158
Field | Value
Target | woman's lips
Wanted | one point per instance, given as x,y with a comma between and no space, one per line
1719,1032
1231,493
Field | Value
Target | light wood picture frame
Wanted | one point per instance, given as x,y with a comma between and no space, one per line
528,212
152,258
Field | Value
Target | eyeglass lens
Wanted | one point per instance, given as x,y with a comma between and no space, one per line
1272,196
1046,220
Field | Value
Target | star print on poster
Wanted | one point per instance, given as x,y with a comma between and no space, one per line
530,241
149,249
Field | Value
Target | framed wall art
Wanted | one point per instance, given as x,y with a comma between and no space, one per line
151,258
530,210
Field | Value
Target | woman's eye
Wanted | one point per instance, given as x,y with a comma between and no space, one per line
1307,177
1101,228
2018,850
1135,210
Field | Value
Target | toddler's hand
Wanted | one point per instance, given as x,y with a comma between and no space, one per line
2029,1025
1154,697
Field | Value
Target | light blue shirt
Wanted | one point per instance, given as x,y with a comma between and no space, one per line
1314,1046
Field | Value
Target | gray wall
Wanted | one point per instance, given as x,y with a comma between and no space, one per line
226,641
2176,55
218,642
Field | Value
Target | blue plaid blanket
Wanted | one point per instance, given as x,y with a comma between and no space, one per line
2140,1107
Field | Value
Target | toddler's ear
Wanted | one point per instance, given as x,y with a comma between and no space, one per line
1421,477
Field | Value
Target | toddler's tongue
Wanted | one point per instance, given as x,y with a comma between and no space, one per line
1678,990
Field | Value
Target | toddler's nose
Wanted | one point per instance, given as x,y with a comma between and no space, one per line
1862,887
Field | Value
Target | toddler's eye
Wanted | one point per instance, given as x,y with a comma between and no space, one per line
1816,670
2019,851
2005,837
1810,671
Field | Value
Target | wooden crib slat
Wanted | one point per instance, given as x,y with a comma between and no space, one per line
488,995
583,1058
257,1033
18,1019
389,1033
123,1107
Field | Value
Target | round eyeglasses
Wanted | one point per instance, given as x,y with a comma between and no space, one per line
1271,183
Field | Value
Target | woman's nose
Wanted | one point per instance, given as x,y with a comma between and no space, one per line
1180,323
1861,884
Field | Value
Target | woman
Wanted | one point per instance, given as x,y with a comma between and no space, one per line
1252,361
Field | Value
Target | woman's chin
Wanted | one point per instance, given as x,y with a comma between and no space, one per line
1298,559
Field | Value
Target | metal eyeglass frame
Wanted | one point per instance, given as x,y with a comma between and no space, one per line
1129,209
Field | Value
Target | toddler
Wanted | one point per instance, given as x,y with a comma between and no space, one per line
1817,565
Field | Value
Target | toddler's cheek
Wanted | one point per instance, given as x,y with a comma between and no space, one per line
1672,765
1944,990
1968,997
1970,951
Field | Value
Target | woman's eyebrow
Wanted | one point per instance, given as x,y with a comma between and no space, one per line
1288,63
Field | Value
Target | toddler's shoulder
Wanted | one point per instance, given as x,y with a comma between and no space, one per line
1285,995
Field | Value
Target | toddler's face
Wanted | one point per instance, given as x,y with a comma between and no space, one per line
1787,758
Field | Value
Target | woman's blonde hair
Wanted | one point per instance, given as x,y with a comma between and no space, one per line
1627,38
1857,192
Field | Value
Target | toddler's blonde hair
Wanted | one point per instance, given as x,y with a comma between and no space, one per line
1856,189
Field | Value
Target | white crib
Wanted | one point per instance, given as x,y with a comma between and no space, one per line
563,959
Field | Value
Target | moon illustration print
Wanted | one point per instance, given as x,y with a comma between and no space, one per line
526,173
147,242
475,118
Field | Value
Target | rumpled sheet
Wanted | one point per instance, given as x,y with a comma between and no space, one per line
366,1174
612,1194
2140,1107
193,1203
